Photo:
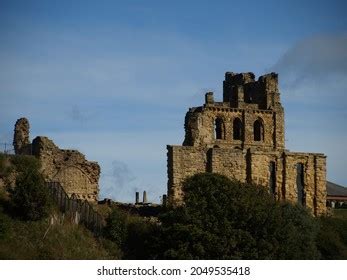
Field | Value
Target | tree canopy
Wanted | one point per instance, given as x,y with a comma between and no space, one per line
226,219
30,197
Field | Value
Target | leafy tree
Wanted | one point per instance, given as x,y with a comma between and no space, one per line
139,240
30,197
116,228
131,233
225,219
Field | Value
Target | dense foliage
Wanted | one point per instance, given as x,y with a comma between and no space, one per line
116,227
224,219
132,234
30,197
332,237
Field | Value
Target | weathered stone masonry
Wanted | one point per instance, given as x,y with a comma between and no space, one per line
70,168
243,138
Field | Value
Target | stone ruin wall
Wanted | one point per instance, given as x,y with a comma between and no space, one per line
245,159
200,125
78,176
183,162
21,142
252,167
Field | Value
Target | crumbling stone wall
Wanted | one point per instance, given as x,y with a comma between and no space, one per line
246,158
21,142
256,100
70,168
183,162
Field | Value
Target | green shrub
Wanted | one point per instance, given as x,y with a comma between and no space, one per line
116,227
332,238
224,219
25,163
30,197
131,233
139,240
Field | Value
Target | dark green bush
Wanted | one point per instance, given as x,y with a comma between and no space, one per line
139,240
224,219
131,233
116,227
332,238
25,163
30,197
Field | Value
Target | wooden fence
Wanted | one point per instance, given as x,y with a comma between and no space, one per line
81,211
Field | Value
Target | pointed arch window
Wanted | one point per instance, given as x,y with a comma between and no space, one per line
258,129
219,129
237,129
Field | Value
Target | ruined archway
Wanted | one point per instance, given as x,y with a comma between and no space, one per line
75,181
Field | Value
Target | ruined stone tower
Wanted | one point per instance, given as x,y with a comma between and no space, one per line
21,142
243,138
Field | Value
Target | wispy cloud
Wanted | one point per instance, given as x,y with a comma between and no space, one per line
76,114
315,70
315,57
313,82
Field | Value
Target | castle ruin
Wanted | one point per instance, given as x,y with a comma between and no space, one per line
243,138
78,176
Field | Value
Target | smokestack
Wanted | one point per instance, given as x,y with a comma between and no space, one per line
144,197
164,199
137,198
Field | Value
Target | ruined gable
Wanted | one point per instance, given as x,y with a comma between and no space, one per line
242,137
70,168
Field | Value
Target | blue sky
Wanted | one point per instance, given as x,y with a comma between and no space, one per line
115,78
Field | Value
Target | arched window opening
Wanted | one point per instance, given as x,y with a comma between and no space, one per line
272,180
237,129
219,129
258,130
300,183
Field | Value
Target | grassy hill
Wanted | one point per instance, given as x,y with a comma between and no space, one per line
41,240
50,237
